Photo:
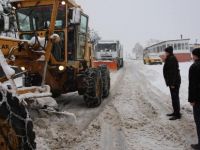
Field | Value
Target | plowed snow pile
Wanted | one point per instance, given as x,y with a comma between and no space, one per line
133,117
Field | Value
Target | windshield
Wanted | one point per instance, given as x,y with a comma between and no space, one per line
106,47
38,18
154,56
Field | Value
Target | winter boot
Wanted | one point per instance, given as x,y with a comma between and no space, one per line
195,146
175,117
172,114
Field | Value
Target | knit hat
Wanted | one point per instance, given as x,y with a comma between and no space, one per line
196,52
169,49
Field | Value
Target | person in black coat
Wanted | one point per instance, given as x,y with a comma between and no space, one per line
172,78
194,92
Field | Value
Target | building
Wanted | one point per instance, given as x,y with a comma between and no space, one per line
181,49
193,46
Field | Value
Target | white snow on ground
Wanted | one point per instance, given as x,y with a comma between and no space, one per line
58,132
154,74
133,117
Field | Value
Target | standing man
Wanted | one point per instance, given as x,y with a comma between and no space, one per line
173,80
194,92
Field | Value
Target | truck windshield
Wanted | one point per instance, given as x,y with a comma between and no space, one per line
106,47
38,18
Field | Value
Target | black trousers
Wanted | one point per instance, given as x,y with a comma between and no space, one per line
196,112
175,100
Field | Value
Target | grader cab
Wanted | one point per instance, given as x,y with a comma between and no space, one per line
52,55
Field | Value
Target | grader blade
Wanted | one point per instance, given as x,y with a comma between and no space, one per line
47,107
70,117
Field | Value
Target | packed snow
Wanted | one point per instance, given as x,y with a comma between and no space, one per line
133,117
154,73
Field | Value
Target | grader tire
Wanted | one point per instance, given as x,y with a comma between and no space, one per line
105,73
93,94
16,127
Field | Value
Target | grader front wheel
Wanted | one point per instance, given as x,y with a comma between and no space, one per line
8,137
16,127
106,80
94,91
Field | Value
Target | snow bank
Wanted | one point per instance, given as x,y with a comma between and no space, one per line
155,75
115,76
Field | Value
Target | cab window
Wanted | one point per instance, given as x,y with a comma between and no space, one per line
82,37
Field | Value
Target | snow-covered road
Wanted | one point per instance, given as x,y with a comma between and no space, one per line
133,117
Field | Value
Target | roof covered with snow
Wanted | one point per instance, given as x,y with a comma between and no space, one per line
107,41
167,41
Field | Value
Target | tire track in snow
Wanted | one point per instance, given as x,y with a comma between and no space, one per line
145,125
182,130
112,134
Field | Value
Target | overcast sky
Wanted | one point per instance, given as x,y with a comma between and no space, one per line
133,21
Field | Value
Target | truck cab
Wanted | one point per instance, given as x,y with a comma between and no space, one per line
109,52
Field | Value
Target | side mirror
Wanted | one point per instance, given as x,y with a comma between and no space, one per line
75,16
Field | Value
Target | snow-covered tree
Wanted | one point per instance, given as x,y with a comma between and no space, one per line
138,50
152,42
94,36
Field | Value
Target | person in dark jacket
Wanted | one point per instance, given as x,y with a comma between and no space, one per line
172,78
194,92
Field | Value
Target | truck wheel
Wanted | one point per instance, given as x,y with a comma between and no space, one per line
122,65
117,61
93,94
105,73
16,127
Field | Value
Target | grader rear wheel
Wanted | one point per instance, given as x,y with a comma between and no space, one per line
16,127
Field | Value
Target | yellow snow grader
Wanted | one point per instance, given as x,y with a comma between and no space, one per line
51,56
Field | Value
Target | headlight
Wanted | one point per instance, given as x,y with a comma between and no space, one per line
63,2
61,68
23,68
